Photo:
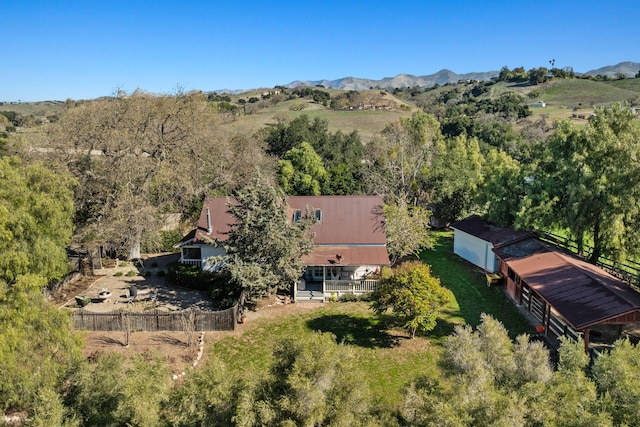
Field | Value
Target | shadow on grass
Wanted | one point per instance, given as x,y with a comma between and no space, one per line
442,330
468,285
358,331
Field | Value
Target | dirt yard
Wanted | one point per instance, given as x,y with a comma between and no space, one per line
117,279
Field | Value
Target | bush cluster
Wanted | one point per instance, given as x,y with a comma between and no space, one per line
223,293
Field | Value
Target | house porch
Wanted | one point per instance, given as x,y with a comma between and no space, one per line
321,283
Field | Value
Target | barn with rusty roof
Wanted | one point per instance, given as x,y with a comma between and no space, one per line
349,240
567,295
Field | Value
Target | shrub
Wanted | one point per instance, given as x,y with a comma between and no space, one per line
118,273
168,239
131,273
349,298
189,276
222,292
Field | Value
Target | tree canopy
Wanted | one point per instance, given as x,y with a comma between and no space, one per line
407,229
264,248
146,154
399,162
37,347
413,295
301,171
588,181
36,212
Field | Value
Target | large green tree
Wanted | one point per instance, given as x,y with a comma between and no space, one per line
457,173
341,154
37,347
138,156
491,380
399,161
312,382
502,188
407,229
301,172
36,212
615,375
413,295
206,397
264,248
588,181
111,390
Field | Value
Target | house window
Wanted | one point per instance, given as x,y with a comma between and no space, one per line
317,271
318,215
297,215
191,253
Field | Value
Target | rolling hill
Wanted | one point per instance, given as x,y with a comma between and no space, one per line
443,77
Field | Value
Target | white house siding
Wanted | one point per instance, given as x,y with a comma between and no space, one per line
475,250
209,251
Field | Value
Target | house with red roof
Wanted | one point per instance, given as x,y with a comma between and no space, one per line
350,245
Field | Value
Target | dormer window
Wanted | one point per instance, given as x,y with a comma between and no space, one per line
297,216
318,215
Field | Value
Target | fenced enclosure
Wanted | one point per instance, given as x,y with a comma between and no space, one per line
191,319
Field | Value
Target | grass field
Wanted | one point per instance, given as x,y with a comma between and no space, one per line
585,93
368,123
388,358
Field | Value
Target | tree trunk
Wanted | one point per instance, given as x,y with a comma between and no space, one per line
597,244
580,244
134,249
241,302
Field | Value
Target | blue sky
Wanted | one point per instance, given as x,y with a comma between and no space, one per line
84,49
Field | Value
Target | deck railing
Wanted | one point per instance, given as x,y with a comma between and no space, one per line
197,262
351,286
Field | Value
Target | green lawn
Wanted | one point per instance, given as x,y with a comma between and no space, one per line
388,358
468,284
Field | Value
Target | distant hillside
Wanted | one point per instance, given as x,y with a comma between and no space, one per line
574,92
629,69
400,81
443,77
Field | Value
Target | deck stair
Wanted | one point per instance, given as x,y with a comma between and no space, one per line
309,296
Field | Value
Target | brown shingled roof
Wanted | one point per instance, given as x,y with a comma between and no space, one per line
487,231
352,226
345,219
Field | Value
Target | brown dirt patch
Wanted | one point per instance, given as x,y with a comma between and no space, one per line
76,287
173,345
170,345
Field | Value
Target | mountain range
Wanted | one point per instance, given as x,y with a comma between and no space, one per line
443,77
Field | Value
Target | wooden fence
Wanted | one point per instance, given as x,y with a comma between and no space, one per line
190,319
